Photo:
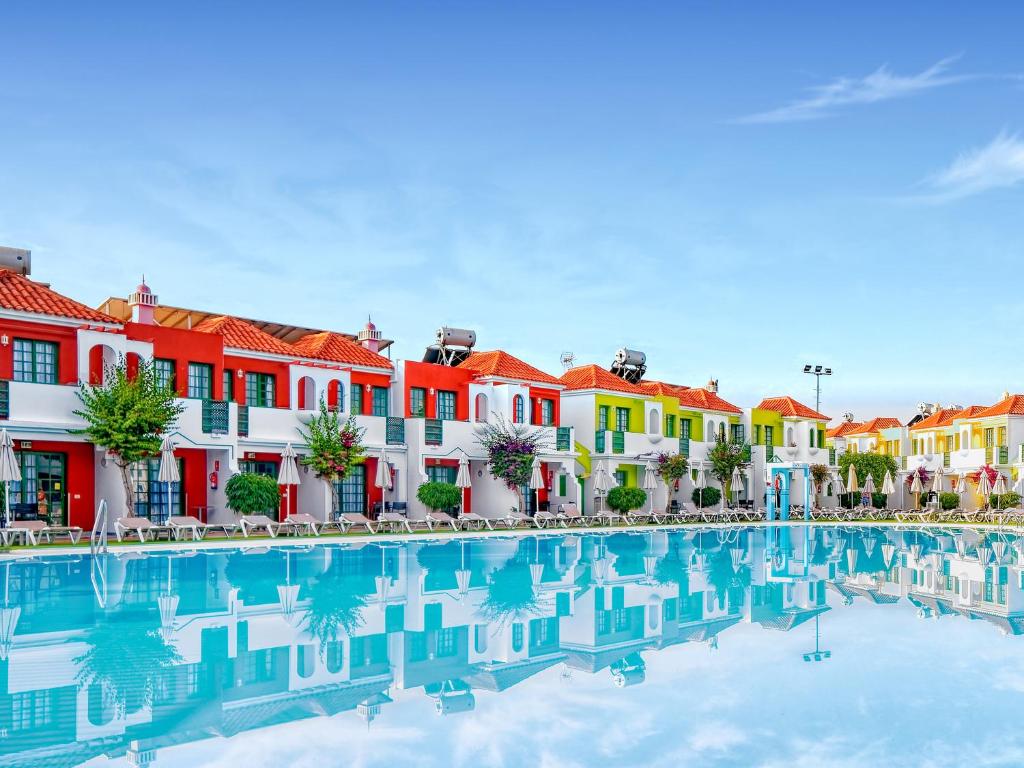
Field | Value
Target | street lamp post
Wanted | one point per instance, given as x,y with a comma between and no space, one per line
817,371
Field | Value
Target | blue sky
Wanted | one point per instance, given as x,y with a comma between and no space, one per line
735,190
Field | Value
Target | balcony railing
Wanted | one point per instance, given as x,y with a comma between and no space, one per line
618,442
243,421
599,441
433,431
684,446
395,432
215,417
563,439
5,399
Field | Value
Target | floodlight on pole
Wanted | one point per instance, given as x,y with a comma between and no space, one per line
817,371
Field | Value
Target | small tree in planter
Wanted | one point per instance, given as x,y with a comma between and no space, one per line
511,451
437,496
725,456
819,476
252,494
626,499
127,416
334,448
672,468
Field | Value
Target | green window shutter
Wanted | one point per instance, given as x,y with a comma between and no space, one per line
418,402
356,399
685,428
261,390
602,417
228,385
380,401
446,405
562,485
200,381
622,419
164,370
35,361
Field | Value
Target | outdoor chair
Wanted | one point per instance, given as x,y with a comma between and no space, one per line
34,531
569,514
441,519
471,520
346,521
254,523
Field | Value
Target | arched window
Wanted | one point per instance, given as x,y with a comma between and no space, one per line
518,409
305,659
335,395
721,430
711,431
334,656
654,422
517,637
307,394
480,638
789,436
481,407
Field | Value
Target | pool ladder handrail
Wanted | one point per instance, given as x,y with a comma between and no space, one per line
98,535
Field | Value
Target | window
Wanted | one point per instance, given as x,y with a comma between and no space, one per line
481,409
164,370
685,427
602,418
445,405
989,437
151,495
621,478
447,643
739,433
252,467
670,425
229,385
1002,436
200,381
821,440
260,390
35,361
380,401
417,401
769,435
757,434
518,409
517,637
356,400
547,412
562,485
352,490
622,419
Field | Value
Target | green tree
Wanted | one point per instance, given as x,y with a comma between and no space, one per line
251,494
706,497
624,499
874,464
672,468
725,457
511,450
435,496
126,416
334,447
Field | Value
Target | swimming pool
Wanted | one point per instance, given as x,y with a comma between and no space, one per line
784,645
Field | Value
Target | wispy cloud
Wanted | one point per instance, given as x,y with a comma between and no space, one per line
880,85
999,164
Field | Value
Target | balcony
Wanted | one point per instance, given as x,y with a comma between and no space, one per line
48,407
433,431
216,417
395,430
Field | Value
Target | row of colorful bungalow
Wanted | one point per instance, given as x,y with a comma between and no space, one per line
248,386
952,440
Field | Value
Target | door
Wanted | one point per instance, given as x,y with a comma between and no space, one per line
45,474
352,493
442,474
154,499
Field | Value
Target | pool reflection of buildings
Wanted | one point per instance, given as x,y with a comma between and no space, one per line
143,652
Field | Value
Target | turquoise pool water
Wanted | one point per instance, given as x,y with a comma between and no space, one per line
780,646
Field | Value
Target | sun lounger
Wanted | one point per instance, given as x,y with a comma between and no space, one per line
303,521
255,523
569,514
543,518
441,519
346,521
32,531
394,521
638,516
142,527
514,518
183,525
470,519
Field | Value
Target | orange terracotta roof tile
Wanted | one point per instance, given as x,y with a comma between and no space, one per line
690,397
971,411
1011,405
787,406
877,424
844,429
241,335
595,377
941,418
19,293
506,366
336,348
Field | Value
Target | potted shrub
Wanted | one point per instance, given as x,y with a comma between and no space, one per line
435,496
252,494
623,499
707,497
948,501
